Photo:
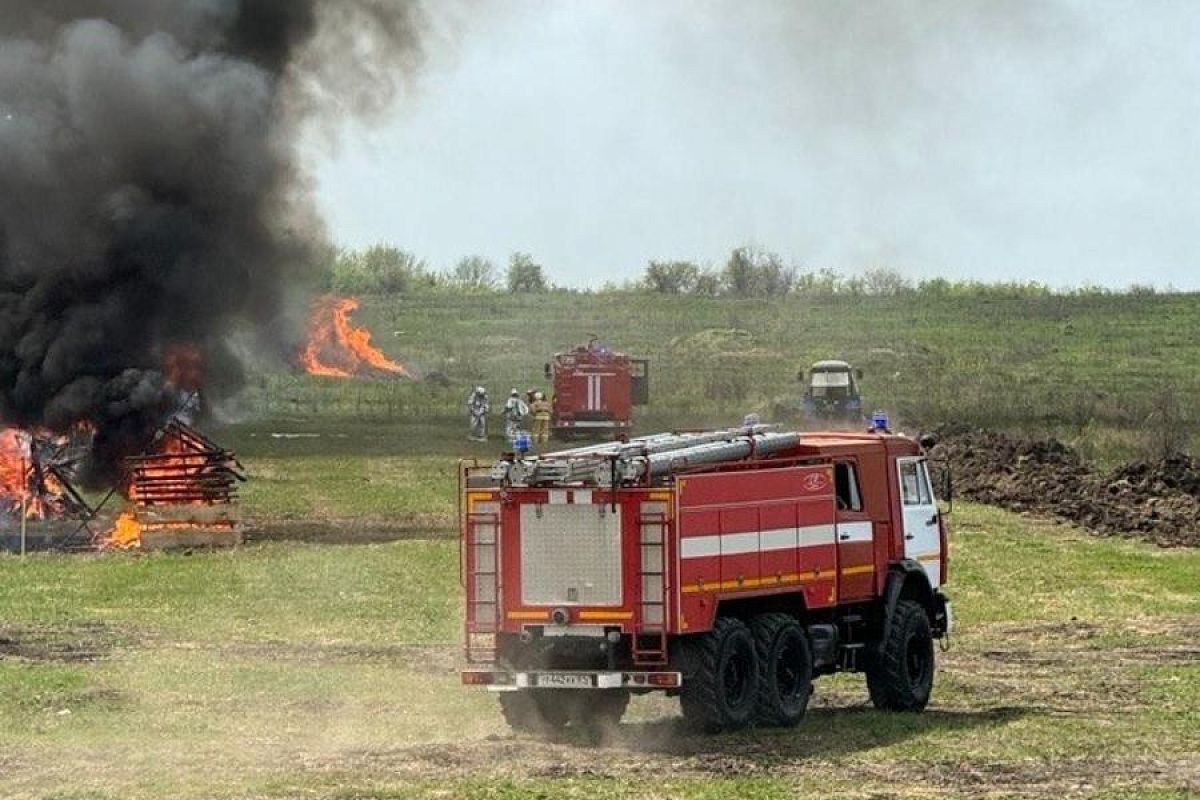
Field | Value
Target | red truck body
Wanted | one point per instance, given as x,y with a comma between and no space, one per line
595,390
832,531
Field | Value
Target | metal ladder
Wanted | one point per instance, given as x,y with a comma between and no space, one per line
483,597
649,640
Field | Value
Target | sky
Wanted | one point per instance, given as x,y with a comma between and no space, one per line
1050,140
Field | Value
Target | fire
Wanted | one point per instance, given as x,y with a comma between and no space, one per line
338,349
15,495
125,535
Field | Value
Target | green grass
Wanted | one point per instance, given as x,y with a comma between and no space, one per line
1093,368
287,670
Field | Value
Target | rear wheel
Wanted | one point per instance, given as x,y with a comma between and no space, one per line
784,669
533,711
720,689
900,675
549,711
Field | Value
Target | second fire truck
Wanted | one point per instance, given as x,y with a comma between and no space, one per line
595,390
729,568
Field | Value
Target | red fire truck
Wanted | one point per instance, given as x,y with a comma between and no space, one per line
729,568
595,390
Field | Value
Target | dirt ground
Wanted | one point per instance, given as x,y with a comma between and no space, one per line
1031,675
1158,501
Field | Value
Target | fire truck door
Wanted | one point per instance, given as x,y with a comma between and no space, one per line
855,539
639,373
922,542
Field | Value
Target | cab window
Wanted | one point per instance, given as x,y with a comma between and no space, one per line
845,478
914,483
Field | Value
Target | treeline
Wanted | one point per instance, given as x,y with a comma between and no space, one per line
747,273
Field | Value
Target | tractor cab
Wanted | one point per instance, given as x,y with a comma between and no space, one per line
832,391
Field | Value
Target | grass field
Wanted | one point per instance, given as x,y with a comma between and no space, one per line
297,670
320,660
1098,370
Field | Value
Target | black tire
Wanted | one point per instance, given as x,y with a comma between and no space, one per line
602,709
550,711
900,674
533,711
784,669
720,687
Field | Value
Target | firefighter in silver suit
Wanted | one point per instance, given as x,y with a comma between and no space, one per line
515,411
477,411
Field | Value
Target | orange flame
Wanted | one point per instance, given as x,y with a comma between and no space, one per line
336,348
14,474
125,535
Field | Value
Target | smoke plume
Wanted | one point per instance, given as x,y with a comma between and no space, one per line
151,201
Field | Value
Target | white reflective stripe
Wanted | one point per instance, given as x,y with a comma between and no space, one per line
731,544
583,496
849,532
812,535
593,401
736,544
558,497
784,539
699,546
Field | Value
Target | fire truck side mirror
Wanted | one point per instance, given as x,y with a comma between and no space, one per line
546,370
800,376
858,374
948,489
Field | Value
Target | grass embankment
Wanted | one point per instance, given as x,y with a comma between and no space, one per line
287,669
1098,370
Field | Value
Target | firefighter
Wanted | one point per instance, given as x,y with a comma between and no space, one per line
477,411
515,412
541,409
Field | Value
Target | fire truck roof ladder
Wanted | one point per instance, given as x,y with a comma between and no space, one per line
644,459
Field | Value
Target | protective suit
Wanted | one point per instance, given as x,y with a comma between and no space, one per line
515,412
477,411
541,410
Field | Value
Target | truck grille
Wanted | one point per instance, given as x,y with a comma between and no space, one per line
570,555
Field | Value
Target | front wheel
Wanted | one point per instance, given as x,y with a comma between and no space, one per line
720,687
900,675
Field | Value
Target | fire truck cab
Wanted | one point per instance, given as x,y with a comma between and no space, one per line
595,390
729,568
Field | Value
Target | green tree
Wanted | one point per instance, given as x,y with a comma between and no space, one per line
379,269
671,277
885,282
757,273
524,274
474,272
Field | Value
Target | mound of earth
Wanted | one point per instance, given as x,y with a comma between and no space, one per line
1158,501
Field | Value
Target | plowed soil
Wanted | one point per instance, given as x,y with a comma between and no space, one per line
1158,501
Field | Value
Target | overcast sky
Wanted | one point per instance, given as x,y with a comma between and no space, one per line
1051,140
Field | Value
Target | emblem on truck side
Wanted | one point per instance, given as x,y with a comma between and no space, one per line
815,481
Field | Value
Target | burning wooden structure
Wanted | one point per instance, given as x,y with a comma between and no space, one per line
39,504
184,494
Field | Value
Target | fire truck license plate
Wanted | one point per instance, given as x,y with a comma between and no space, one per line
564,680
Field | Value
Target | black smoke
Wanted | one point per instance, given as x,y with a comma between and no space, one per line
151,197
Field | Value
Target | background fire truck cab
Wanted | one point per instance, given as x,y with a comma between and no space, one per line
728,567
595,390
